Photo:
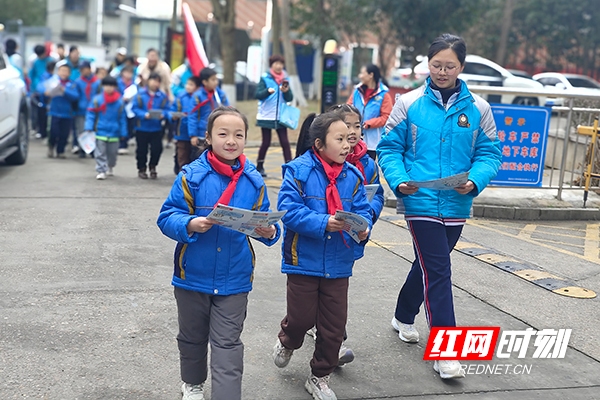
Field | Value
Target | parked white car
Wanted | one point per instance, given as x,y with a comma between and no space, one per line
480,71
14,111
573,83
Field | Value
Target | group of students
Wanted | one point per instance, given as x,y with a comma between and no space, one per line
214,266
106,106
425,137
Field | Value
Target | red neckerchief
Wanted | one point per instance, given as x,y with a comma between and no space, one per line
332,195
88,87
354,158
64,83
108,99
278,77
151,99
227,170
211,96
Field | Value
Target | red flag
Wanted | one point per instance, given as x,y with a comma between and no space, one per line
194,48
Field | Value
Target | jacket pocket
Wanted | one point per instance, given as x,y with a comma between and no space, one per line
179,260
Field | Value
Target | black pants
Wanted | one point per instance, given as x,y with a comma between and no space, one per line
59,133
42,120
153,140
283,141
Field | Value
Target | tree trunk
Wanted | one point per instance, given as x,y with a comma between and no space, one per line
276,28
225,15
290,55
506,24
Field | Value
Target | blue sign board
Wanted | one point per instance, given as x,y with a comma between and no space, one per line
523,133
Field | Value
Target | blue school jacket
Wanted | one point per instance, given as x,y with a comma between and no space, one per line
140,108
84,101
63,106
425,141
40,89
198,120
219,261
308,249
183,103
372,174
121,85
109,125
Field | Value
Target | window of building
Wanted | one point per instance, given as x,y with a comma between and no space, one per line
76,5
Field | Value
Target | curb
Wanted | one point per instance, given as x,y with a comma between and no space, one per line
527,214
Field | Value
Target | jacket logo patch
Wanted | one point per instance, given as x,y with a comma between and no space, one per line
463,121
378,98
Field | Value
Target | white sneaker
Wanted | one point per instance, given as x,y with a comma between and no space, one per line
101,176
192,392
38,135
123,151
281,355
346,355
448,369
312,332
319,388
406,332
110,172
75,149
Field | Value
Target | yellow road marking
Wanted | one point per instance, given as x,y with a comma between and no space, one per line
479,224
527,231
592,239
563,243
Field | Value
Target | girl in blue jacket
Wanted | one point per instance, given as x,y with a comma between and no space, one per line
106,117
183,104
214,266
436,131
318,254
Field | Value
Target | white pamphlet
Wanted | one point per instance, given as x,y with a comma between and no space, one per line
130,92
245,221
354,223
53,87
177,114
371,191
447,183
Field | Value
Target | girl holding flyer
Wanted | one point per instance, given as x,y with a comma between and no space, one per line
318,255
214,266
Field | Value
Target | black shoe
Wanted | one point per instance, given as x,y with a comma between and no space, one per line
261,169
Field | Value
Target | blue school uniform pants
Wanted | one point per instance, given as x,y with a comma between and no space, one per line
59,133
428,281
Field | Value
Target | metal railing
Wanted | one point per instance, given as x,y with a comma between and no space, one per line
562,132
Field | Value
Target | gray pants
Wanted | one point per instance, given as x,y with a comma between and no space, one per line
106,155
219,319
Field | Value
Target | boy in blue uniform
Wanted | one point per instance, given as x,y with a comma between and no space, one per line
106,117
205,100
150,107
125,81
183,103
61,111
88,86
42,101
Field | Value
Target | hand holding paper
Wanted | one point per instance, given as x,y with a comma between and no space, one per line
356,226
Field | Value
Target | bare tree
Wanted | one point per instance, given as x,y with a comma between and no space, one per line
276,28
224,11
506,24
290,55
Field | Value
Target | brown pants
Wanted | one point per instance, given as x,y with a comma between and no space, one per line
183,151
315,301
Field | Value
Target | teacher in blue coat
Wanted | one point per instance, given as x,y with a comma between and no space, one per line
436,131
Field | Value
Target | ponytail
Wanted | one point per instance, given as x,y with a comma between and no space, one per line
315,127
304,142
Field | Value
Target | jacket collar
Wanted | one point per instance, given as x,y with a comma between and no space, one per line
454,99
197,171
